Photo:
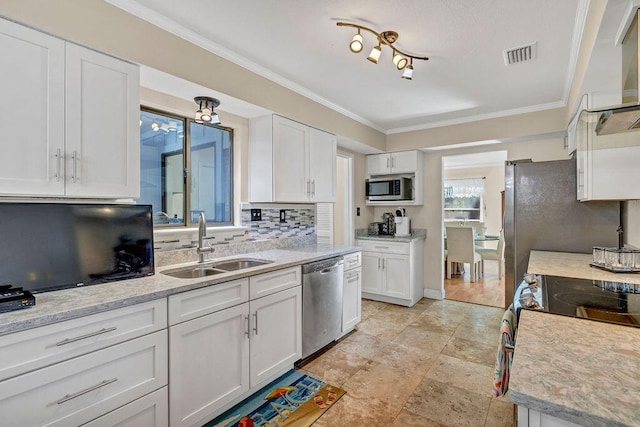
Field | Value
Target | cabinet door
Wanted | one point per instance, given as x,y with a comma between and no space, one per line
276,328
396,276
322,166
102,125
351,299
377,164
290,161
404,162
371,272
209,364
31,112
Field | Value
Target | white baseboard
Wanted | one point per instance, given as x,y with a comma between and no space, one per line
434,294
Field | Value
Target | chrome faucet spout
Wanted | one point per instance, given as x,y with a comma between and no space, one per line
202,232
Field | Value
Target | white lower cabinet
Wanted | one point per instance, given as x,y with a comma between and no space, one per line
209,364
79,390
392,271
223,356
151,410
351,292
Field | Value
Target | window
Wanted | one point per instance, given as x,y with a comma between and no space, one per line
463,199
185,169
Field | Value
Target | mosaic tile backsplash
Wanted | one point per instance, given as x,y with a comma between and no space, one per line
297,229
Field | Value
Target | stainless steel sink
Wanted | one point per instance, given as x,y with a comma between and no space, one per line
240,264
193,272
211,269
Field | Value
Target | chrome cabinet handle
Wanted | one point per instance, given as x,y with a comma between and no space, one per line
102,383
383,263
74,158
248,326
256,328
393,162
313,188
378,263
352,277
89,335
308,188
58,164
388,163
381,247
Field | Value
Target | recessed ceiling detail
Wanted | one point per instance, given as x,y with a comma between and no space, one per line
519,54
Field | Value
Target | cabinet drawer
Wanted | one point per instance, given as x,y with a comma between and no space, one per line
274,281
36,348
199,302
352,260
81,389
383,246
151,410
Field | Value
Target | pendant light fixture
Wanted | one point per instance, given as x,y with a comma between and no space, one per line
206,113
388,38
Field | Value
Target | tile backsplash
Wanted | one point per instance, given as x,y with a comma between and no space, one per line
298,228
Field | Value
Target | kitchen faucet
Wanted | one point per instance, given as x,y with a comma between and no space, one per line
202,232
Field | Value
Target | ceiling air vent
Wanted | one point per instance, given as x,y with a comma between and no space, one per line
519,54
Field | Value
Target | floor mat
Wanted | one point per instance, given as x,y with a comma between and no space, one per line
293,400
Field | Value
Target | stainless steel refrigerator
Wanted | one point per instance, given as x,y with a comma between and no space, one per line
542,213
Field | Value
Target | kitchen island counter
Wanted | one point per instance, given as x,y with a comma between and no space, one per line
57,306
565,264
577,370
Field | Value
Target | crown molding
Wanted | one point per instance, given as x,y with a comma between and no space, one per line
479,117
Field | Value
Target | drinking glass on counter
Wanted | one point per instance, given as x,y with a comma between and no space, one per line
598,255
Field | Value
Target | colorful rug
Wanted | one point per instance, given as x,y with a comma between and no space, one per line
293,400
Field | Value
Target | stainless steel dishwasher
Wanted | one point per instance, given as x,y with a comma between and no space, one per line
321,303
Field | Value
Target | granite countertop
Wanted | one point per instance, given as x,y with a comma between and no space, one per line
578,370
416,234
566,264
67,304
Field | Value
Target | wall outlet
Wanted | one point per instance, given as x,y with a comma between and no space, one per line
256,214
283,215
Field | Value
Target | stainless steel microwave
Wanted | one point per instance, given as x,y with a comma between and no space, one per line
389,188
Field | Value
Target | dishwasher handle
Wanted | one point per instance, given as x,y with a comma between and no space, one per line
323,267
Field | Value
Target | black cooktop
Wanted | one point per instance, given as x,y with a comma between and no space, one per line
605,301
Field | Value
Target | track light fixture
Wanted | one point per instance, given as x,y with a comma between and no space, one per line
388,38
206,113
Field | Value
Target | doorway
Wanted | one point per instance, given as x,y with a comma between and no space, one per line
472,193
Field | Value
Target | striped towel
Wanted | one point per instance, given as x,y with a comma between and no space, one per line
504,357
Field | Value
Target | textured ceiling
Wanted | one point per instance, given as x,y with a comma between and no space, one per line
297,44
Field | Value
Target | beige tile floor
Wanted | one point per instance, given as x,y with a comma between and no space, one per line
428,365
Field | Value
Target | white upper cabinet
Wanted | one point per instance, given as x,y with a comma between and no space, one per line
102,125
31,111
290,162
69,117
399,162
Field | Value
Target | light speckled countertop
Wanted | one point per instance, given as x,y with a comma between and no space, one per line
66,304
578,370
566,264
416,234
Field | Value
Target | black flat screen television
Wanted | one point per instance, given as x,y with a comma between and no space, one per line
51,246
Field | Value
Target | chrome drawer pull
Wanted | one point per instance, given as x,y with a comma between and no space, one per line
256,328
74,174
103,383
89,335
248,327
381,247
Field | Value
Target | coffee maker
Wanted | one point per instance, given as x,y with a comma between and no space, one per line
402,223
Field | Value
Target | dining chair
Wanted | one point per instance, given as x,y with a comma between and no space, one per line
496,254
461,249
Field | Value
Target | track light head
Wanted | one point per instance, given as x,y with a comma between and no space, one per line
356,43
375,54
408,72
